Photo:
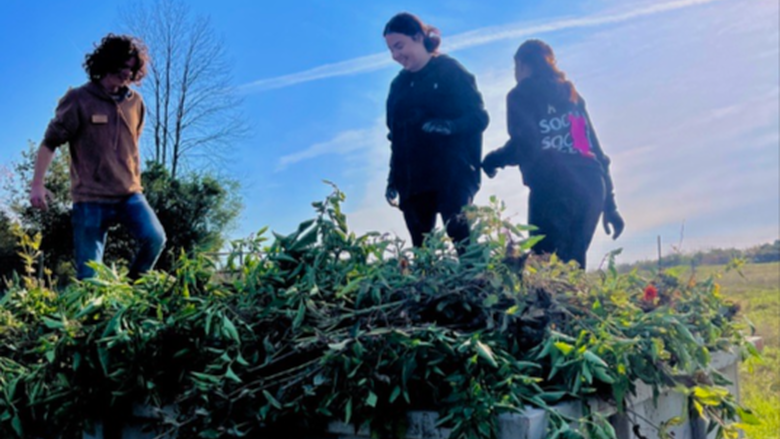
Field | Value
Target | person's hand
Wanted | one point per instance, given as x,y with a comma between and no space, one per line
613,218
439,126
391,195
38,196
490,171
489,166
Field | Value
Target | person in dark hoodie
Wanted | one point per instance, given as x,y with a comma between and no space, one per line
435,118
101,121
552,140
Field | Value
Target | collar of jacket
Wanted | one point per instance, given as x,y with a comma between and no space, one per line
97,90
429,67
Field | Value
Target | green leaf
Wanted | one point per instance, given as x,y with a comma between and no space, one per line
586,373
711,396
490,300
371,400
209,434
240,360
208,319
747,417
232,375
90,308
352,286
594,359
564,347
76,361
598,309
53,324
530,242
340,346
299,315
305,225
206,377
552,396
230,329
677,420
16,423
703,355
306,240
486,353
545,349
112,325
394,394
685,333
603,376
271,399
348,411
103,357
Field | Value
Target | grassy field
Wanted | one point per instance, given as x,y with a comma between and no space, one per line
758,293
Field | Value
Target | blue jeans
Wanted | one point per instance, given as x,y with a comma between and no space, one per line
91,221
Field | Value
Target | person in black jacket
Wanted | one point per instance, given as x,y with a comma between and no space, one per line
552,140
435,117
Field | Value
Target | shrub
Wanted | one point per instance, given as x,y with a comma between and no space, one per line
322,324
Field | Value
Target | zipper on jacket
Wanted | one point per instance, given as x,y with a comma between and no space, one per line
116,127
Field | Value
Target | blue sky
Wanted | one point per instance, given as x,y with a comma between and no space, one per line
684,96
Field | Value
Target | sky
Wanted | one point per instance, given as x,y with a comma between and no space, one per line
684,96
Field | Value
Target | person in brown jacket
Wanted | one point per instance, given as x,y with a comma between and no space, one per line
101,121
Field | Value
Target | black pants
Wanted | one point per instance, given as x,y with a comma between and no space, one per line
566,209
420,215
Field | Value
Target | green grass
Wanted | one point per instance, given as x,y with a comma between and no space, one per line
758,293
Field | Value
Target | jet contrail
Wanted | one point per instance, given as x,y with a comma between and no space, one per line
461,41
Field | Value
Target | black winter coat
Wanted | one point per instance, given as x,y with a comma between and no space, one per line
550,137
423,162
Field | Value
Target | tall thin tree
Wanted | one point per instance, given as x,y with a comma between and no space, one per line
193,110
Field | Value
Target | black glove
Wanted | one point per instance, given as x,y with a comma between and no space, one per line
613,218
391,195
439,126
488,166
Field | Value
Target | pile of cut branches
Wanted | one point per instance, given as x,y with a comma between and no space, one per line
322,324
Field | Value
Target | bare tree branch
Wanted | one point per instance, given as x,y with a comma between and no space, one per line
195,111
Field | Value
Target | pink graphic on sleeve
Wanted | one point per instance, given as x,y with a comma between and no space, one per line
579,135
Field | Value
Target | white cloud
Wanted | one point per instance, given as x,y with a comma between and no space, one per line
343,143
363,64
693,138
465,40
515,31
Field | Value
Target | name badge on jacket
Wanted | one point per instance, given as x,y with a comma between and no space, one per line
99,118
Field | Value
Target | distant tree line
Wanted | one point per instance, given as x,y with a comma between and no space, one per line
769,252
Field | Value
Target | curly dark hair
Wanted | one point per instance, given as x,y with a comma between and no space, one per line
112,54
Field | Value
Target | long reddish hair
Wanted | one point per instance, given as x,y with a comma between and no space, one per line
538,56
